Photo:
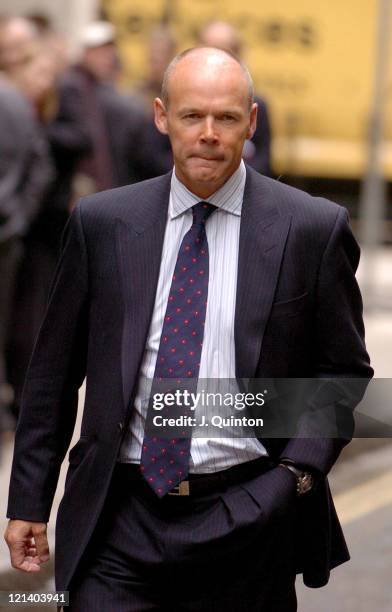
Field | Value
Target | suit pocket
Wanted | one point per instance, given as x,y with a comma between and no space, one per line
289,308
243,510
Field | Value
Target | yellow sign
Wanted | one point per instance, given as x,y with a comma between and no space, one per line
312,61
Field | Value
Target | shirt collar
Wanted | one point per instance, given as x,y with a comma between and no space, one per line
229,197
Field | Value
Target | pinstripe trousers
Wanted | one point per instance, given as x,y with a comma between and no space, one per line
215,553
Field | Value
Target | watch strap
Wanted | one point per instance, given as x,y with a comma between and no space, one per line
304,479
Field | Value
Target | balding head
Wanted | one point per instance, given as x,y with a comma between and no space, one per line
17,35
222,35
207,59
207,112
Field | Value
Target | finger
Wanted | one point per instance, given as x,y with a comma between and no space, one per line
20,561
31,564
41,544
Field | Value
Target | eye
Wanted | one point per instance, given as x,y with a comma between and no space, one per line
227,118
191,116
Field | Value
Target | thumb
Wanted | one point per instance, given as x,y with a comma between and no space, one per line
41,542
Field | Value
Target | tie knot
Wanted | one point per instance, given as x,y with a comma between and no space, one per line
201,212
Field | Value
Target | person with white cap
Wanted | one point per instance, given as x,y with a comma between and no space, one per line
95,133
82,110
99,53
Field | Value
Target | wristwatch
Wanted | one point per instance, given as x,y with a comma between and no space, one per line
305,480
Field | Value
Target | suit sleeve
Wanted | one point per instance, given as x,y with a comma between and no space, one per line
50,396
342,364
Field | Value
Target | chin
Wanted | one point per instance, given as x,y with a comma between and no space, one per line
200,176
207,177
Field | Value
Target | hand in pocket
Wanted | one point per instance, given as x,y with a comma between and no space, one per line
274,492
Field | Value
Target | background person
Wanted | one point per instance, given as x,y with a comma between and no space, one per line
161,47
25,172
257,150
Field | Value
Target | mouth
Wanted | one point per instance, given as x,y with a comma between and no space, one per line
208,158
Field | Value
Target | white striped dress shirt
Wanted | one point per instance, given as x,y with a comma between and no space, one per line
218,352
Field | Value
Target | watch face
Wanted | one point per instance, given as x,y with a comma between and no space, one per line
305,483
304,479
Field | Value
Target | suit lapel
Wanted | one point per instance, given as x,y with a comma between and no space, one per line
139,241
263,237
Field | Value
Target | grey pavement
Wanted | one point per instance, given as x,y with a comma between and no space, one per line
364,583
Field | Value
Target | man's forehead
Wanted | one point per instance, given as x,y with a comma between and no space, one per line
197,95
207,61
185,101
209,71
207,79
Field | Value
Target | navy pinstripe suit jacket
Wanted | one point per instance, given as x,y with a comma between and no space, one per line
298,314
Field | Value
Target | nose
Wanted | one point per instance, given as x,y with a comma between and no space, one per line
209,133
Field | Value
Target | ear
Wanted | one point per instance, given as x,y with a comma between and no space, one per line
160,116
252,120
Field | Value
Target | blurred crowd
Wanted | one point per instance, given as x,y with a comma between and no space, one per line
69,129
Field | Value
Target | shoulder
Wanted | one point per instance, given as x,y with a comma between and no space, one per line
302,206
12,101
20,134
123,202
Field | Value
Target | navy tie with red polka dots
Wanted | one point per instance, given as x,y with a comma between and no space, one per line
165,461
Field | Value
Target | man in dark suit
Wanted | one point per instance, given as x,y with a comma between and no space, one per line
213,271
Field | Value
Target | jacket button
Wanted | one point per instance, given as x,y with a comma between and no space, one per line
120,426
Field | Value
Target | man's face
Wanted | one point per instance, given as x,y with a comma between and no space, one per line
101,61
17,42
207,119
